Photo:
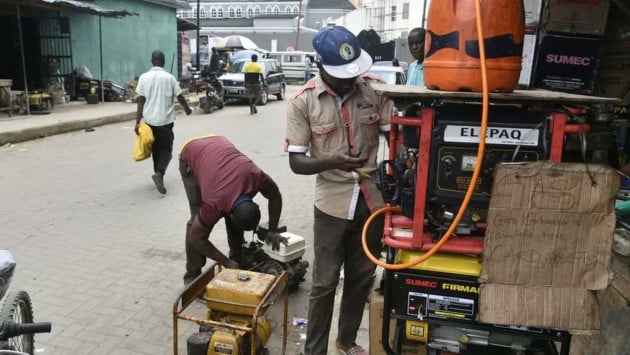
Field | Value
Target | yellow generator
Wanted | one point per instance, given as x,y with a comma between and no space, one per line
235,322
435,305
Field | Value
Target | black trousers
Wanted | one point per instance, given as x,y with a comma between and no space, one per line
162,150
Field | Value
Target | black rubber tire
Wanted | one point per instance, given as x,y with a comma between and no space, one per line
264,97
282,93
17,307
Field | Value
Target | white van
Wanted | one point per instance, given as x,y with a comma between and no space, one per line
293,64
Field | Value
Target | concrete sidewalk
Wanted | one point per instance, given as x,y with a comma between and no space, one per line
66,118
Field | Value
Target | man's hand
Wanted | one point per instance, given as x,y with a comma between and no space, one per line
347,162
137,128
231,264
188,110
275,239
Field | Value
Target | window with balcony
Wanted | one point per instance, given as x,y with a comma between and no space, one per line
239,12
231,12
202,13
276,10
405,12
220,12
393,13
250,12
268,10
213,13
257,11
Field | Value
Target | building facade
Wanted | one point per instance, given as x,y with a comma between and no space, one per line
278,25
127,42
60,37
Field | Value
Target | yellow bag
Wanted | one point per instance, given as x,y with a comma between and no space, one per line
144,141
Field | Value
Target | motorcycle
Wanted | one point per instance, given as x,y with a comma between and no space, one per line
214,93
16,314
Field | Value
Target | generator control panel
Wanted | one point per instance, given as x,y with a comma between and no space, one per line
513,135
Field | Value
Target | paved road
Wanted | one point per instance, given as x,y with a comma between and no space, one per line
101,251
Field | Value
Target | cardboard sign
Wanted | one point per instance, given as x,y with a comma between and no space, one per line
576,16
533,306
548,225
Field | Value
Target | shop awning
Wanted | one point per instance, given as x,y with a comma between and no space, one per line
71,5
185,25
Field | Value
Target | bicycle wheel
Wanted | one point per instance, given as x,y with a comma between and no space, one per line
17,308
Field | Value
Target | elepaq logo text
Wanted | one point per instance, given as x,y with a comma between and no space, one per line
568,59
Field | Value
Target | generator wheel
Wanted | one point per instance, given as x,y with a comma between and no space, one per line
271,267
17,308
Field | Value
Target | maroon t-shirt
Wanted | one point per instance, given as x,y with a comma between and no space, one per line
223,174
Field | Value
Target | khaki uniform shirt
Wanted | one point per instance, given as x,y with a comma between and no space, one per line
323,124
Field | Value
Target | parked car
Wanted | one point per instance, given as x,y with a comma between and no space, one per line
388,63
390,74
234,80
293,65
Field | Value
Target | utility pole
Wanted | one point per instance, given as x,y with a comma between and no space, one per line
424,14
297,30
198,30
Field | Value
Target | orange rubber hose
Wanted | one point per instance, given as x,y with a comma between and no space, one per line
473,181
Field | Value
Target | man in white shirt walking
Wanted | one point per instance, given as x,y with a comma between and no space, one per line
156,91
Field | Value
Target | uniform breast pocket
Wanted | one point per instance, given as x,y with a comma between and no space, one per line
369,124
323,136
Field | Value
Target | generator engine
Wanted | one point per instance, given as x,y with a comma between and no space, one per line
221,341
260,257
514,134
232,298
437,303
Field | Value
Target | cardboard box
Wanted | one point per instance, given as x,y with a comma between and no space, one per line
529,55
549,226
376,325
536,306
567,63
532,11
617,36
613,79
576,16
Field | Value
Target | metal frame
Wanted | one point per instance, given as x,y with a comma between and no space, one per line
189,295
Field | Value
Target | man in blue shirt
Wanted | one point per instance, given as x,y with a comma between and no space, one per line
416,47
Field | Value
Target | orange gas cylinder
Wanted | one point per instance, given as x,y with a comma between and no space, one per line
452,50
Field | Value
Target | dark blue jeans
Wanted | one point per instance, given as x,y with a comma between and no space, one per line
337,242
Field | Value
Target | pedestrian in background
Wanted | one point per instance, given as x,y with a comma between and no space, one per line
254,80
214,62
308,63
157,90
336,118
220,182
415,40
395,62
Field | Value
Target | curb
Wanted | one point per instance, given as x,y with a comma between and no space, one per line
61,128
67,127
